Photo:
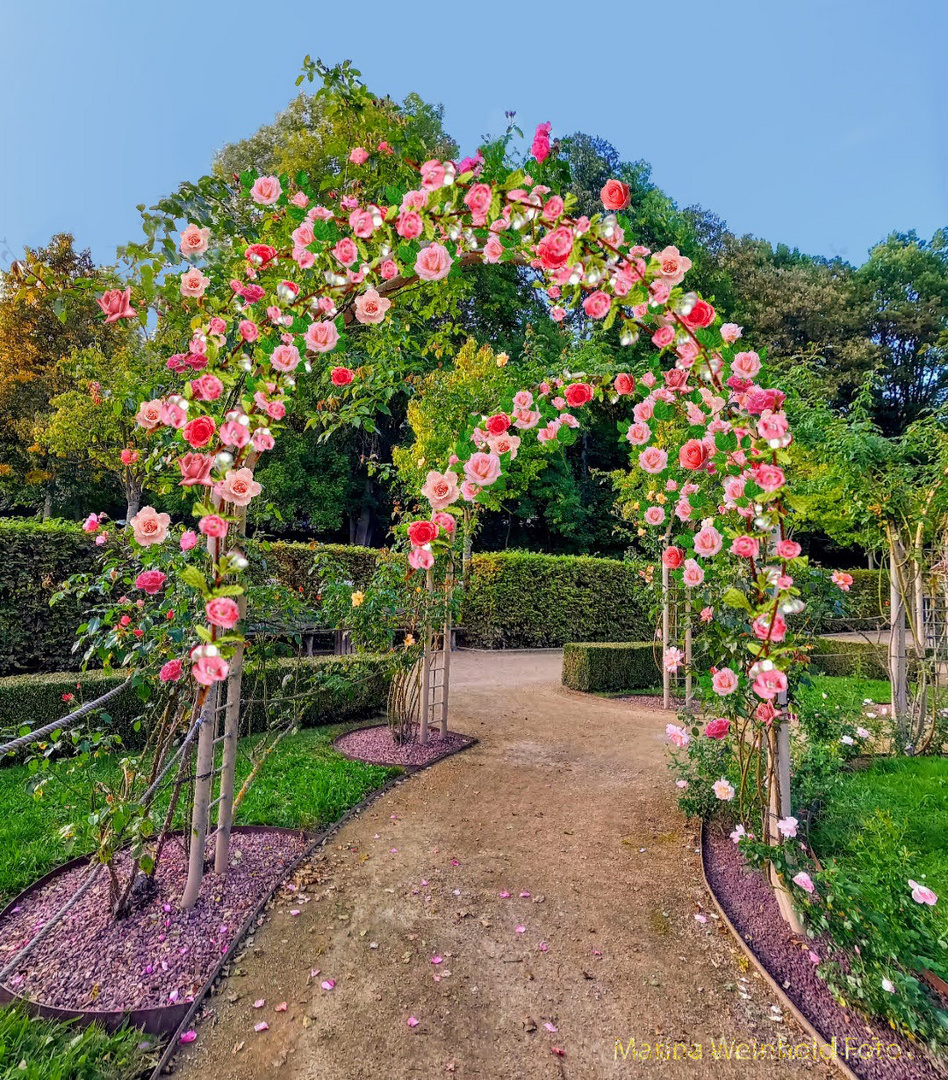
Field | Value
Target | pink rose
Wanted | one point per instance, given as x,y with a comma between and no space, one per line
208,670
788,549
262,440
469,491
624,384
213,525
188,540
206,388
804,881
746,365
409,225
433,262
248,330
730,332
91,523
194,241
708,541
770,629
370,307
541,142
615,195
116,305
768,477
770,683
653,460
552,208
441,489
842,579
150,527
556,247
477,199
172,413
663,337
444,521
692,575
655,515
358,156
434,174
238,487
673,557
921,894
172,671
234,433
702,314
129,456
745,547
693,455
493,250
321,337
597,304
300,199
524,419
341,376
266,190
150,581
420,558
222,611
717,729
346,251
285,358
677,735
672,265
724,681
639,434
193,282
149,414
482,469
196,469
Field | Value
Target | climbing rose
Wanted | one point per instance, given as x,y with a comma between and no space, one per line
672,265
707,541
624,384
444,521
116,305
370,307
420,558
693,455
441,489
746,365
663,337
234,433
724,682
321,337
639,434
422,532
149,414
213,525
194,283
693,575
194,241
730,332
745,547
482,469
341,376
266,190
199,431
555,248
285,358
678,735
195,469
768,477
788,826
150,581
433,262
129,456
91,523
208,670
346,251
921,894
188,540
842,579
497,424
788,549
673,557
207,388
150,527
615,195
804,881
702,314
541,142
770,683
653,460
358,156
222,611
578,394
723,790
172,671
655,515
597,304
238,487
717,729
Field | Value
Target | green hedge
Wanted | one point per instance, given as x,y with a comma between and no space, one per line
358,687
289,563
868,596
519,600
830,656
610,667
35,559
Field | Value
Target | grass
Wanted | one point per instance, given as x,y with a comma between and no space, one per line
33,1049
912,793
304,784
847,692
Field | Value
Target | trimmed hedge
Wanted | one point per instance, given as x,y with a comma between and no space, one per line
289,562
35,560
610,667
520,600
868,596
831,656
359,689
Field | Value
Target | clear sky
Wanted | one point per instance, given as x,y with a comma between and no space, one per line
822,124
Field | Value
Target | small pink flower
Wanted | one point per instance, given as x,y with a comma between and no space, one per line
150,527
358,155
723,790
921,894
116,305
194,283
172,671
724,682
266,190
328,984
804,881
842,579
370,307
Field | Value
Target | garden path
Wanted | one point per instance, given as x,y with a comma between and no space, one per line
566,797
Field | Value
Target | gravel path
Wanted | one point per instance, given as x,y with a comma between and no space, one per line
541,880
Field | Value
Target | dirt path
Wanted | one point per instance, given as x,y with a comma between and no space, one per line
567,798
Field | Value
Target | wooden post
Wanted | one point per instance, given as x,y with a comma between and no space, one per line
666,637
204,774
225,808
689,691
426,666
446,646
780,808
897,665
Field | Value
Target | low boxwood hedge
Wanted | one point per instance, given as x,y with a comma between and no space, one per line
832,656
610,667
331,689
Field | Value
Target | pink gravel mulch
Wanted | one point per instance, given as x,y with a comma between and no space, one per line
748,900
376,746
158,955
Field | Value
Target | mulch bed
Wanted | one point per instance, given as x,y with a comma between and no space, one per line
158,955
376,746
748,901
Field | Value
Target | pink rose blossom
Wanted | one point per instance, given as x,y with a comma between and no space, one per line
921,894
433,262
213,525
222,611
842,579
730,332
482,469
597,304
420,558
441,489
723,790
653,460
654,515
266,190
150,581
321,337
116,305
769,683
745,547
149,414
638,434
346,251
194,241
724,681
172,671
388,270
788,549
677,734
804,881
746,365
207,388
262,440
238,487
692,575
663,337
188,540
150,527
194,283
370,307
285,358
358,155
208,670
708,541
717,729
91,523
196,469
234,434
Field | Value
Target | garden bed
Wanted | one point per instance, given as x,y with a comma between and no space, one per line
375,746
747,900
152,964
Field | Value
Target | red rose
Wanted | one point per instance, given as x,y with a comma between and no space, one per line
341,376
199,431
497,424
615,195
624,384
702,314
150,581
673,557
577,394
717,729
263,252
693,455
422,532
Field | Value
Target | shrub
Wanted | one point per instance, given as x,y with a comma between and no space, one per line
35,560
334,688
519,600
289,563
610,667
831,656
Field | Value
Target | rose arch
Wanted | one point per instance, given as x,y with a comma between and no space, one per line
269,301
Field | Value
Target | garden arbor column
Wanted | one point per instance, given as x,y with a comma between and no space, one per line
897,664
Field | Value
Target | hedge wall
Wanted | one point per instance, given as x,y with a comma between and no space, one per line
359,688
610,667
289,563
519,600
35,560
868,596
830,656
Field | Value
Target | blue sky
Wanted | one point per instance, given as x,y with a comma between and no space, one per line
822,125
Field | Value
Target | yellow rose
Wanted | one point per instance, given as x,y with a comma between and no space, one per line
358,598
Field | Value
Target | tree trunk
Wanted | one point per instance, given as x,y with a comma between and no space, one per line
48,501
363,533
133,497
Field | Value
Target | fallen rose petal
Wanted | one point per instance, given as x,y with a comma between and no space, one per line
504,894
596,952
524,895
281,1007
552,1028
259,1003
313,972
436,960
520,929
454,862
295,911
700,918
328,984
558,1051
262,1026
412,1022
188,1036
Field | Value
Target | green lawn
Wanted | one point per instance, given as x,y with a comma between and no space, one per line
913,794
304,783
